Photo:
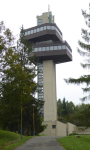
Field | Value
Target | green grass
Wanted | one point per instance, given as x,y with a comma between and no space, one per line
73,143
6,137
41,135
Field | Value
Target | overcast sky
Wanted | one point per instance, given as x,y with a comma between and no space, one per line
68,18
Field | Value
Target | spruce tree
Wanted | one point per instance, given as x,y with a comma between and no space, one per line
83,117
84,51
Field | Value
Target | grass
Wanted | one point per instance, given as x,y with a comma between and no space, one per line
74,143
6,137
42,135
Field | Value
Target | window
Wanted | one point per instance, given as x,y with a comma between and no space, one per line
44,27
40,91
37,29
40,73
31,31
36,49
40,64
41,109
41,84
52,27
55,47
47,48
48,27
39,21
40,88
56,29
34,30
43,48
28,32
41,29
63,47
40,96
53,126
51,47
40,76
25,33
40,67
59,47
39,49
40,80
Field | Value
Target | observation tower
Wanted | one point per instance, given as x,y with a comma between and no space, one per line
50,49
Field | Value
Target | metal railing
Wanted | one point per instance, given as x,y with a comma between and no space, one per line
51,48
39,29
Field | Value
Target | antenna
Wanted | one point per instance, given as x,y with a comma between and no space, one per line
48,9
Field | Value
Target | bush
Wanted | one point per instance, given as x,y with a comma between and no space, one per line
74,133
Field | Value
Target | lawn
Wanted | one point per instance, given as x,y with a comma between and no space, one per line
7,137
74,143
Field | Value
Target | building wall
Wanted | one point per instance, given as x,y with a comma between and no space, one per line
49,88
45,18
60,128
70,128
49,131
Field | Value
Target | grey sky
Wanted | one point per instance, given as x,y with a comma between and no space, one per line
68,18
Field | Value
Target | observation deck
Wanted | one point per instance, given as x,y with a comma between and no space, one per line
44,32
48,43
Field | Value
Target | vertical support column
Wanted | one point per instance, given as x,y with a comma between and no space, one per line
49,87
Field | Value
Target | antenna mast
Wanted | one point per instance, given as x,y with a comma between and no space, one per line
48,9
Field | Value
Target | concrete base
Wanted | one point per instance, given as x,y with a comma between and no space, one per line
57,128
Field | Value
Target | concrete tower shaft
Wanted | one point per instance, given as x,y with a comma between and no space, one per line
49,80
